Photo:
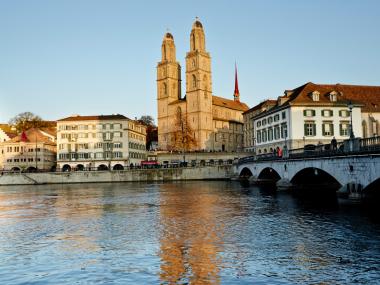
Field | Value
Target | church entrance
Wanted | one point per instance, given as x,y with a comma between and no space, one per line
223,147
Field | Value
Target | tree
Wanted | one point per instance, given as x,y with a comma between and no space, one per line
26,120
182,135
147,120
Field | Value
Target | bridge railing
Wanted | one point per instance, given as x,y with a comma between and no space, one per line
362,146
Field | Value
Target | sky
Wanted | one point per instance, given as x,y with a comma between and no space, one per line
89,57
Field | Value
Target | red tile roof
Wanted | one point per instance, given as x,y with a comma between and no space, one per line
231,104
369,96
31,135
94,118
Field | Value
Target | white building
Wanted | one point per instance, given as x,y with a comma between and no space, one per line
99,142
311,114
34,149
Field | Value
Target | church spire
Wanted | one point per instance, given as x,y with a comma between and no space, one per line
236,92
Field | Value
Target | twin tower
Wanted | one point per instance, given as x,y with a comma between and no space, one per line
196,107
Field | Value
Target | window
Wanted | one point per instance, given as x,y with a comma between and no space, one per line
283,115
264,135
194,79
284,131
276,117
309,113
270,120
270,134
259,124
264,122
327,113
118,154
333,96
344,113
315,96
258,136
98,145
327,129
118,145
277,132
310,129
117,134
98,155
344,128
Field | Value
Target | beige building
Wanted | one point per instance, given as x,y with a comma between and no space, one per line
249,135
34,149
99,142
199,120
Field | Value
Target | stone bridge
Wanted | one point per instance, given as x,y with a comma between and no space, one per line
358,173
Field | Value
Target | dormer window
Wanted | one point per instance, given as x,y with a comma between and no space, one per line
333,96
315,96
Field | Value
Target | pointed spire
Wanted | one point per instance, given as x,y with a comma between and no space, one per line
236,92
24,138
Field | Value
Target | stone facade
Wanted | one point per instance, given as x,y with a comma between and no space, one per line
210,122
100,142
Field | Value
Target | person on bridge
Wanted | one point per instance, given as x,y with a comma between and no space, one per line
279,151
334,144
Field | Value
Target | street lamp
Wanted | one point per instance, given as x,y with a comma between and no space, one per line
350,106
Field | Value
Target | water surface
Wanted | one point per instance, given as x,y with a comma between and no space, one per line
180,233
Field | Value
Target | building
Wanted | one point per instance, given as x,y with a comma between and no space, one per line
34,149
199,120
249,136
313,114
99,142
7,132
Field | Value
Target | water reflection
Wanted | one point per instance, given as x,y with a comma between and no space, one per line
190,236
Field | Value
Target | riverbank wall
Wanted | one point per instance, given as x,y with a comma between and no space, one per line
220,172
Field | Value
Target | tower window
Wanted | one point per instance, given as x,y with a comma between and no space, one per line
194,81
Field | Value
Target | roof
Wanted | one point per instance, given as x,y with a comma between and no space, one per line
7,129
265,104
31,135
94,118
235,105
369,96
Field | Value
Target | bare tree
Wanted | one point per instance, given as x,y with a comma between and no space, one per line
182,135
147,120
25,121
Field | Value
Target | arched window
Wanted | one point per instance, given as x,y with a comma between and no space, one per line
193,41
165,89
194,80
365,131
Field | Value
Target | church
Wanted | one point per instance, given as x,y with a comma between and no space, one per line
198,121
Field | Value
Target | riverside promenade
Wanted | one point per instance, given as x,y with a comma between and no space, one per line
217,172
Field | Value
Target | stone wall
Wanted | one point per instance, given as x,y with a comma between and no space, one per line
136,175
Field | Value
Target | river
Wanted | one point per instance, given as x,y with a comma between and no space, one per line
181,233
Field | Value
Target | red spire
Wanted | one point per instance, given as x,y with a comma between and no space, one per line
236,92
24,138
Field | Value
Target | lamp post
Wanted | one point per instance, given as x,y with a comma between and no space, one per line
350,106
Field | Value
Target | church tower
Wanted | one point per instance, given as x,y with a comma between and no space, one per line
199,88
168,87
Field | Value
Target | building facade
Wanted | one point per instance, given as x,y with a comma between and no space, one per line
101,142
249,136
310,115
199,120
34,149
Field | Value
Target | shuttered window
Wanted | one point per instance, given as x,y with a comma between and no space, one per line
309,113
310,129
327,129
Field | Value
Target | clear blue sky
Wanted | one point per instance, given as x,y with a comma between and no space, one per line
59,58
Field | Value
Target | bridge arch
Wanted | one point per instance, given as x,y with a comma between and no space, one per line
245,173
373,189
269,173
316,177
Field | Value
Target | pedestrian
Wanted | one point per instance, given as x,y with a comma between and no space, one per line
334,144
279,151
